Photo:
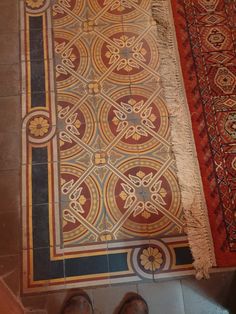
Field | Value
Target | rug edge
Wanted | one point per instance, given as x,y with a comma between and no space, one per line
194,205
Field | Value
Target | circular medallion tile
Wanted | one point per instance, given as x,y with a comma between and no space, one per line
71,58
124,56
36,6
151,259
134,119
136,195
65,12
74,122
114,11
82,202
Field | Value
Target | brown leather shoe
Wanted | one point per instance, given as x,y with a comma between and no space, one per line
134,305
78,304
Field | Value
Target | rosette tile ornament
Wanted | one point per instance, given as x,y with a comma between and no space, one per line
127,51
39,126
151,259
35,4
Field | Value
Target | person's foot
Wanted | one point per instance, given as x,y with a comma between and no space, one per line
78,304
134,305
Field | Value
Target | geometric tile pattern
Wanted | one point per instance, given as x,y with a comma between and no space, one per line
101,199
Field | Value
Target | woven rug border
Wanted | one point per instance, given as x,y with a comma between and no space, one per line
196,215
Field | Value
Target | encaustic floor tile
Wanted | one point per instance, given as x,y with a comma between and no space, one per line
81,264
99,153
41,267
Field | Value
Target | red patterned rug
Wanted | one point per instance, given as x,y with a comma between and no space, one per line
206,39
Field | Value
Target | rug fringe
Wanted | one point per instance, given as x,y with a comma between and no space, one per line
188,172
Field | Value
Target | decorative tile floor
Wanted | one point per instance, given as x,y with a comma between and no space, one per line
100,196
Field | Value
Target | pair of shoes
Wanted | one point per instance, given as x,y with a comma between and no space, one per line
78,304
134,305
81,304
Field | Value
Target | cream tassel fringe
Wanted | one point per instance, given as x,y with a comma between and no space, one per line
188,172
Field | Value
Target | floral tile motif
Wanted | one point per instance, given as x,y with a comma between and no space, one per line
111,196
